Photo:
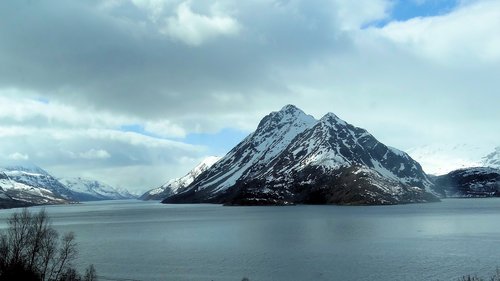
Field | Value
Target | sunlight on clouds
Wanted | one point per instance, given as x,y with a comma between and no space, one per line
25,109
18,156
194,29
164,128
188,70
95,154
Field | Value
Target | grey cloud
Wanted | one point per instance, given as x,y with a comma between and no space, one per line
104,155
115,61
76,52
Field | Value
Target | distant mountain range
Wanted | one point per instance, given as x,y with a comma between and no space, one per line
175,185
24,184
293,158
93,190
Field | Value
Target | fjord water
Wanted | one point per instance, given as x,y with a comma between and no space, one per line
150,241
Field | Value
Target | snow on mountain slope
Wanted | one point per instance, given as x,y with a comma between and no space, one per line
30,177
293,158
439,159
273,135
92,190
174,185
25,182
19,194
332,143
492,159
34,176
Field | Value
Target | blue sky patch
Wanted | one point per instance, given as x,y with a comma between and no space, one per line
42,100
404,10
219,143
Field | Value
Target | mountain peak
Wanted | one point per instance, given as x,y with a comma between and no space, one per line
290,108
331,118
288,114
23,166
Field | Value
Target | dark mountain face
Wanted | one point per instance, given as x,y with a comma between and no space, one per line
293,158
470,182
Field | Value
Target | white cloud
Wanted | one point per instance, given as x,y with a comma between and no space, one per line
466,35
18,106
165,128
194,29
425,80
95,154
352,15
155,7
71,141
18,156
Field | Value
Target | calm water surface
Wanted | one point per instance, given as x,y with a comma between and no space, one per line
151,241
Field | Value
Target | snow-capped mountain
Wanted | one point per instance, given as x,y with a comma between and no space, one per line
294,158
26,186
91,190
33,176
274,134
470,182
440,159
175,185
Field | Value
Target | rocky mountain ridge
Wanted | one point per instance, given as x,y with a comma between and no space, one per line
470,182
293,158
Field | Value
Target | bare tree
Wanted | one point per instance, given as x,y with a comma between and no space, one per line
31,249
67,253
90,274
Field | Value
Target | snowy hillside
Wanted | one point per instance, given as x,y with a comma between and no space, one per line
439,159
174,185
35,177
15,193
492,159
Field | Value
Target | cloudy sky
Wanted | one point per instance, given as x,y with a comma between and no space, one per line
134,92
